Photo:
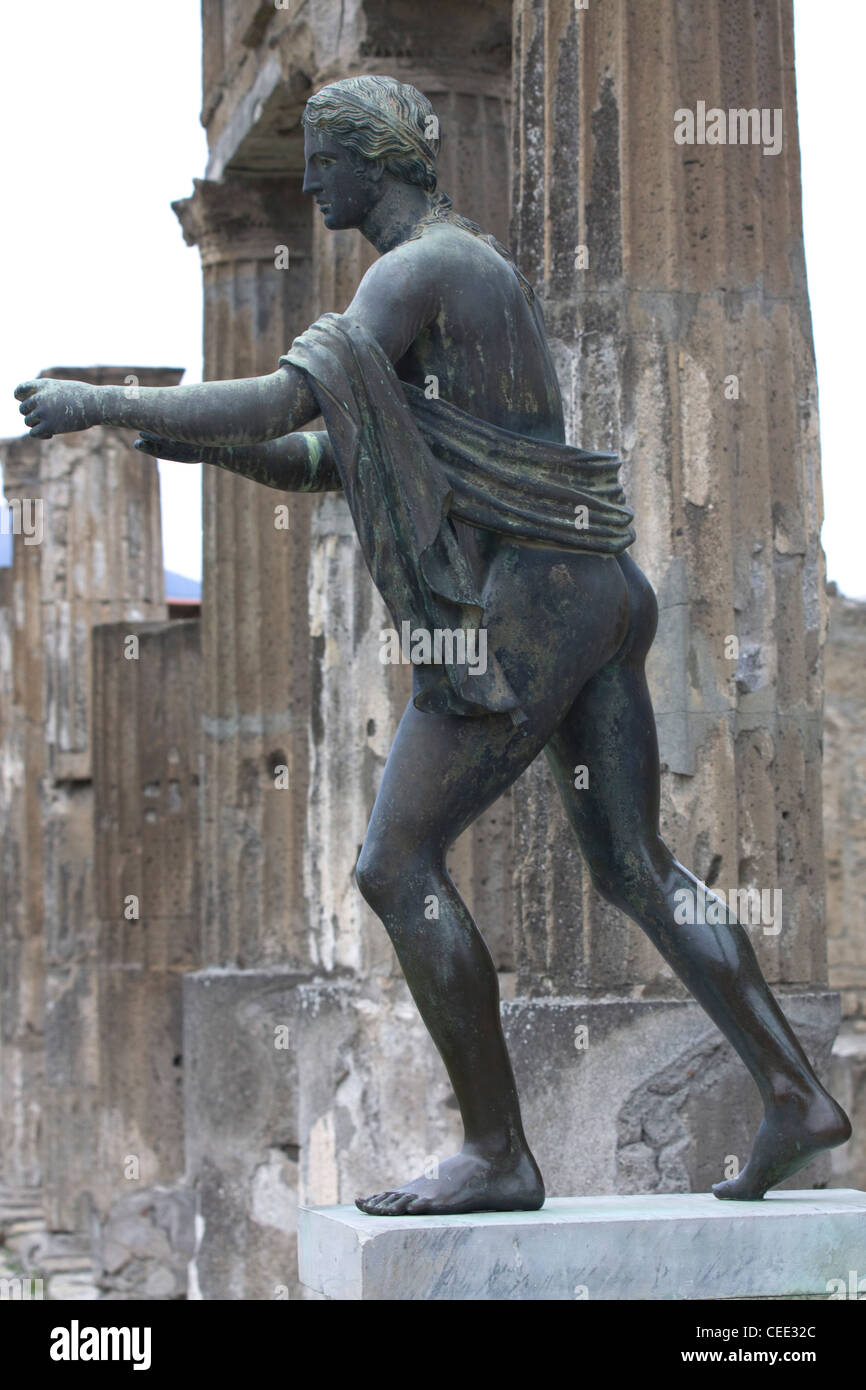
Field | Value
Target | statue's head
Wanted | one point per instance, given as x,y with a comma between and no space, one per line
358,132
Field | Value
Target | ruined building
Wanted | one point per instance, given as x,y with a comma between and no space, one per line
202,1023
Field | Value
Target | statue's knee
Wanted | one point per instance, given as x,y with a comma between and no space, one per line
389,876
632,871
373,877
609,879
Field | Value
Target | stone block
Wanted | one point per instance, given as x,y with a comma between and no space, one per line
298,1089
848,1085
645,1095
590,1248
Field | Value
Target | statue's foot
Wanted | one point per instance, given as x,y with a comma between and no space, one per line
468,1182
792,1132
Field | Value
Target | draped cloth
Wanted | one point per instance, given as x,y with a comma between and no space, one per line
408,465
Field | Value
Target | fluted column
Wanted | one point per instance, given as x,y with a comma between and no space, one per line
21,770
97,557
675,295
253,235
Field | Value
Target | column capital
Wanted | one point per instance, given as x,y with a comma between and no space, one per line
241,219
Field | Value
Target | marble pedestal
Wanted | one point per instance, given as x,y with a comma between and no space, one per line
681,1246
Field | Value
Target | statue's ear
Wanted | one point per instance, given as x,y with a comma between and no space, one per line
371,170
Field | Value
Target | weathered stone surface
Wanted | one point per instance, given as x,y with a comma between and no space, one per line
298,1088
242,1142
255,643
98,557
105,754
674,291
844,820
262,62
590,1248
845,802
644,1095
848,1082
143,1244
146,791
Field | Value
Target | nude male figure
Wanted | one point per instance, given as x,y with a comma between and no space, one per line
570,629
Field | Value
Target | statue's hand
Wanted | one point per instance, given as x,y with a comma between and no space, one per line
57,407
160,448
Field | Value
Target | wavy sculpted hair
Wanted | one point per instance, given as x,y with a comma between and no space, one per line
383,120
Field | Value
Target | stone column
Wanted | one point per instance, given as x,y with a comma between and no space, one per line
254,238
845,803
21,770
98,557
675,296
253,235
146,720
845,841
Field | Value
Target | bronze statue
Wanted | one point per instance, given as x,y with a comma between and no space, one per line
475,518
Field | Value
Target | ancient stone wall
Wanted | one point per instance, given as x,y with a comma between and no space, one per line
845,847
845,802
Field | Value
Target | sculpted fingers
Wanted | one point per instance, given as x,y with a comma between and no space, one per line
28,395
160,448
146,445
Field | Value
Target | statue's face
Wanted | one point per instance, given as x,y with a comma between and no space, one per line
338,180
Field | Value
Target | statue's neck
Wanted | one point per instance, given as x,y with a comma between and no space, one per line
396,216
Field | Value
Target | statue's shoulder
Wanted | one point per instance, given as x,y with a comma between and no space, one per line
435,244
442,233
418,259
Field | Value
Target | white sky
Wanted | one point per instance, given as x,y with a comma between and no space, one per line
99,114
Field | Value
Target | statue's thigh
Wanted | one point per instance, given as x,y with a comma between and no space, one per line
551,622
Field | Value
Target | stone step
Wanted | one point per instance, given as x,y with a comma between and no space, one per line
17,1206
682,1246
21,1226
64,1264
72,1287
10,1219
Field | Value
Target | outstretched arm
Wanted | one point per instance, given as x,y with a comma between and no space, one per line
397,298
300,462
216,412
